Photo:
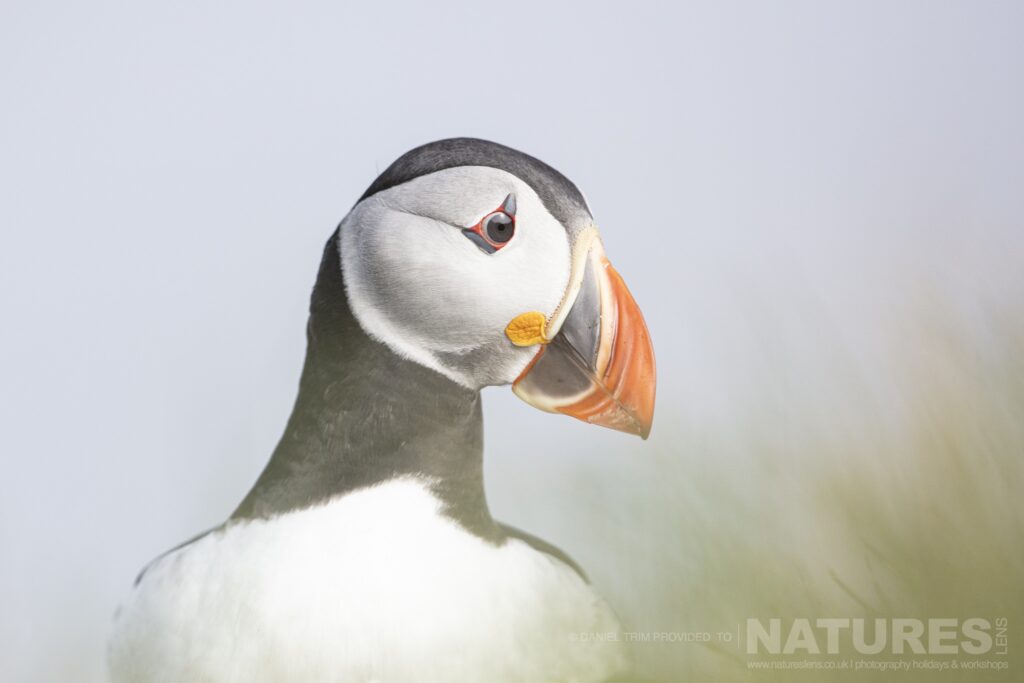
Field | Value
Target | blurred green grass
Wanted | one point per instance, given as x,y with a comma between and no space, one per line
904,507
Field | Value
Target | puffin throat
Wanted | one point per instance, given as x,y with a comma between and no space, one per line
364,416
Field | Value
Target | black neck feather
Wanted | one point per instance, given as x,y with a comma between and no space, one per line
365,415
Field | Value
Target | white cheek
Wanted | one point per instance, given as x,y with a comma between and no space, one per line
425,294
423,288
533,272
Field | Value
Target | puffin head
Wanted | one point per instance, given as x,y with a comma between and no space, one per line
484,264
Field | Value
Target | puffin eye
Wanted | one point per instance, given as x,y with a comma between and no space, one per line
498,227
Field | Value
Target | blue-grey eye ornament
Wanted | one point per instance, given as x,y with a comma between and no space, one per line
496,229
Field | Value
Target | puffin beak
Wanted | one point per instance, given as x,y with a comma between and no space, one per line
596,362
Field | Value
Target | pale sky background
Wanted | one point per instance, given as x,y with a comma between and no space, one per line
777,182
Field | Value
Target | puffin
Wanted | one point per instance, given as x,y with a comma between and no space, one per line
365,551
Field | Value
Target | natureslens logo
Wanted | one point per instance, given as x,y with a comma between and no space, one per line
922,646
896,636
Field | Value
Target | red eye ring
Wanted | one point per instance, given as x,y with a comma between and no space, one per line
496,229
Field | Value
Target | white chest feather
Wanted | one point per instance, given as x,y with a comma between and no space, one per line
375,586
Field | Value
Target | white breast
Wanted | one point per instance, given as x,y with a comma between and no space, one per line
374,586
